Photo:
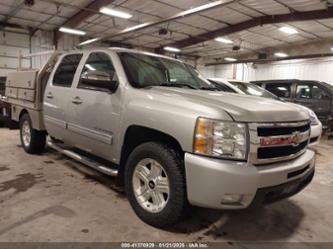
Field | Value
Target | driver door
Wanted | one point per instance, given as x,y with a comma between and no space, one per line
94,110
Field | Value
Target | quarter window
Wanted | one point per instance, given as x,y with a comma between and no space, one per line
65,72
280,90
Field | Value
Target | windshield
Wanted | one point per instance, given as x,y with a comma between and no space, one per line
222,86
252,89
147,70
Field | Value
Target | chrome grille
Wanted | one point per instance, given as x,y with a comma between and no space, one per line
276,142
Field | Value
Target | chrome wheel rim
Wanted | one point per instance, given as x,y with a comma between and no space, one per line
26,134
151,185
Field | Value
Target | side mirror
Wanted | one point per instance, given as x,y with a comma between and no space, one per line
99,79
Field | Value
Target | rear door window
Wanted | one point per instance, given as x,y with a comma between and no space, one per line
65,72
282,90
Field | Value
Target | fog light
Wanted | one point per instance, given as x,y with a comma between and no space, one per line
231,198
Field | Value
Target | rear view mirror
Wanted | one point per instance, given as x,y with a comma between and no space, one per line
99,79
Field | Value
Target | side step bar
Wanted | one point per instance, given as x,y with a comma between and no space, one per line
84,160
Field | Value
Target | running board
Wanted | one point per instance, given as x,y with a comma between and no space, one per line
84,160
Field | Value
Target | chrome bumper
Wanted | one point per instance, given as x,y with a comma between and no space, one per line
225,184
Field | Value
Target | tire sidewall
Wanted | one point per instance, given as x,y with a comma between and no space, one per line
24,118
176,193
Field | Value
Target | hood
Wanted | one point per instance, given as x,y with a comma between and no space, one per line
302,107
242,108
313,117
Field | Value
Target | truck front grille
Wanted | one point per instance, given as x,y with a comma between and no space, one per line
276,131
276,142
280,151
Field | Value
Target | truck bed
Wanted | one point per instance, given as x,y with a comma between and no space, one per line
25,90
21,89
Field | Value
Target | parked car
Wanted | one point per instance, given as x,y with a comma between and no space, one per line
241,87
4,106
316,95
164,130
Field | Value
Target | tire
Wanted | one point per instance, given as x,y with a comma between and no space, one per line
33,141
172,205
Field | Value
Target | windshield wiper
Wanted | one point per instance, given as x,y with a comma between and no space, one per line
177,85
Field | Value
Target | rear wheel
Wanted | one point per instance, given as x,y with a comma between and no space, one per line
155,184
33,141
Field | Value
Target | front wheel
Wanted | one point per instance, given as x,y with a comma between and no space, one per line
155,184
33,141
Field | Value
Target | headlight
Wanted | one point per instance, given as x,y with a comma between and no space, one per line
313,118
220,139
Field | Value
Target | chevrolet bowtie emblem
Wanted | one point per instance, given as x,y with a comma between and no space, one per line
294,139
297,138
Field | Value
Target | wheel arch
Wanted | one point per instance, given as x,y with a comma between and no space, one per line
136,135
22,112
36,116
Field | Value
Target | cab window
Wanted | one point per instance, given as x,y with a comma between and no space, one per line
319,94
309,91
100,64
65,72
303,92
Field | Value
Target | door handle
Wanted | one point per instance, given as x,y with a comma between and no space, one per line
49,95
76,100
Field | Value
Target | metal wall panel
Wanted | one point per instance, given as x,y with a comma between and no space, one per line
11,45
311,69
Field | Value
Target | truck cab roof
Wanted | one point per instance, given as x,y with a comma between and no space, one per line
283,81
119,50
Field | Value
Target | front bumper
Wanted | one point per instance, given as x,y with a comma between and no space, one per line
275,193
225,184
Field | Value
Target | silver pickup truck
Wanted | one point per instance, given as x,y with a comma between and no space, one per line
161,128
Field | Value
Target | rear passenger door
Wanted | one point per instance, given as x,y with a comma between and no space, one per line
57,95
